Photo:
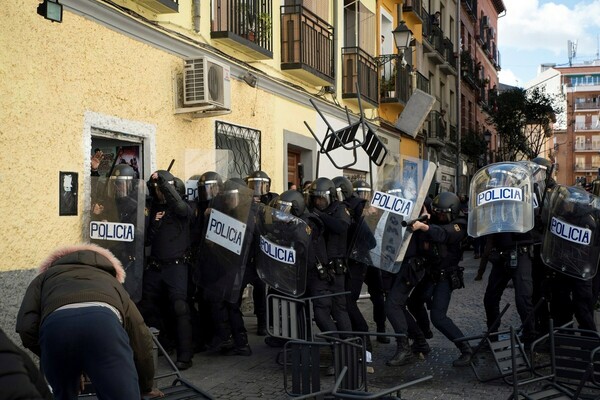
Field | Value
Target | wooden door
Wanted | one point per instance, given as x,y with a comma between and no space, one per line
293,160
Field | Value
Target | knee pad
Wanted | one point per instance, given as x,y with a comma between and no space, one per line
181,308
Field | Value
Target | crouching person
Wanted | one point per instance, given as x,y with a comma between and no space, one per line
77,316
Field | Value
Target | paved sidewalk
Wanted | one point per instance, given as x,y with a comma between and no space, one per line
260,377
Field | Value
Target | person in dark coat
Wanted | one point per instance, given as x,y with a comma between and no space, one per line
78,318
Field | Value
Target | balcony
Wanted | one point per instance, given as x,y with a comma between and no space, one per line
436,133
244,25
482,97
412,11
449,67
395,84
595,147
584,167
467,69
434,42
306,46
160,6
360,68
423,83
587,105
471,7
453,136
589,126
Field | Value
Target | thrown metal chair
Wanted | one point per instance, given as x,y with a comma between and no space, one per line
291,318
350,355
574,367
508,353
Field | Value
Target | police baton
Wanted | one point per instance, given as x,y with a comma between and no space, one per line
411,222
171,165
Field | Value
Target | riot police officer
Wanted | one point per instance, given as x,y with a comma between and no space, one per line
260,183
168,234
362,190
445,232
322,201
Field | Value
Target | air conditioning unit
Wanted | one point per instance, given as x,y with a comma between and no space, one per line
206,82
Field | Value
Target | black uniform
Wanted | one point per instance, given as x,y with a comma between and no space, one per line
511,260
336,220
442,277
168,264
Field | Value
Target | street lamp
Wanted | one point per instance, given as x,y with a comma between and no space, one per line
402,36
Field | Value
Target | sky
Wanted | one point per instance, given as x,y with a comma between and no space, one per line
534,32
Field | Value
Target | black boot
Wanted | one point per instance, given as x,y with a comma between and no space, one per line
240,347
420,345
382,339
403,354
466,355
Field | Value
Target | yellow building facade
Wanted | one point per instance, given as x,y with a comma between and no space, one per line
109,75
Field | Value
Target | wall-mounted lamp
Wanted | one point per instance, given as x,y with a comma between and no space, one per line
402,36
250,79
51,9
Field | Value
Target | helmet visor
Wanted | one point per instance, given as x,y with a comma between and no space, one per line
120,186
207,190
285,206
363,193
260,186
318,199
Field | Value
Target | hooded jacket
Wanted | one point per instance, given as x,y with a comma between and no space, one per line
85,273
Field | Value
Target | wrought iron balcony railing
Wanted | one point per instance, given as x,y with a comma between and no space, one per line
436,133
471,7
248,22
358,67
395,83
306,42
422,83
413,6
587,146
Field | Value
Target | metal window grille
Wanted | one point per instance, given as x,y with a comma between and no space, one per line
244,143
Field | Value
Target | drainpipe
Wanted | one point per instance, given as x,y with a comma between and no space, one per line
458,105
196,16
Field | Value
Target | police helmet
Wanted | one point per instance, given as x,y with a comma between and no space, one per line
362,189
320,194
543,162
393,187
163,176
446,204
232,192
121,181
180,187
259,182
209,185
291,202
343,187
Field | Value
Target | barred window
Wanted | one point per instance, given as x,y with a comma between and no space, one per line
244,143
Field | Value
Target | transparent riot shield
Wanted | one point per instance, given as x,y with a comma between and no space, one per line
227,235
198,161
501,200
538,175
572,241
117,224
381,239
281,260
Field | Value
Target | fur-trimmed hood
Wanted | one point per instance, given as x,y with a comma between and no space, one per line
86,254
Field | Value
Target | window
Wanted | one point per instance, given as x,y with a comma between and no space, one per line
579,142
245,145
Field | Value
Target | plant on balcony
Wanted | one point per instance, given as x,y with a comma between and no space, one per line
265,25
388,86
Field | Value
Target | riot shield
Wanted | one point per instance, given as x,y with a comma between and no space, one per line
117,224
226,241
381,239
572,241
281,260
197,162
538,175
501,200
